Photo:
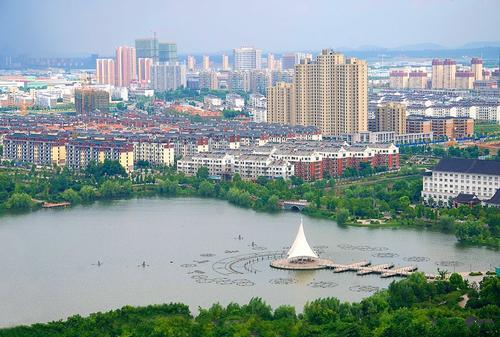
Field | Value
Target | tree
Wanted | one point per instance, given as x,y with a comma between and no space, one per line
342,215
202,173
71,196
273,203
446,222
206,189
19,201
88,193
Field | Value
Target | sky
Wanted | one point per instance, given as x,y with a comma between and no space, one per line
81,27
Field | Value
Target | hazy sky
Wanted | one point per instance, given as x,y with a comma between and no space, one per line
75,27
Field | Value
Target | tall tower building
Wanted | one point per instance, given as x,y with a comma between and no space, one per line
147,48
247,58
206,62
391,117
168,76
270,61
437,74
126,69
477,69
144,69
158,51
281,104
449,73
105,71
331,93
167,52
190,63
225,62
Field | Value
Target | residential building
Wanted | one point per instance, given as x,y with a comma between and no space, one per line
225,62
437,74
191,62
331,93
281,104
247,58
398,79
105,71
477,68
391,117
156,152
454,176
208,80
417,79
126,66
147,48
90,100
448,127
144,69
35,148
464,79
81,151
206,63
167,76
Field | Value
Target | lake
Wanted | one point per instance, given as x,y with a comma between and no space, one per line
196,251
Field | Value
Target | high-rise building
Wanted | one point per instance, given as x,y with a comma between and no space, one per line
270,61
239,81
190,63
398,79
247,58
147,48
126,69
391,117
89,100
225,62
417,79
437,74
105,71
331,93
206,62
449,74
144,69
464,79
477,68
281,104
167,52
158,51
168,76
289,60
443,74
209,80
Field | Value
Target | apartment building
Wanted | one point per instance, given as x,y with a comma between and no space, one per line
160,153
281,104
81,151
35,148
331,93
391,117
450,127
454,176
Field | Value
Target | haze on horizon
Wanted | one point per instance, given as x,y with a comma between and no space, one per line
81,27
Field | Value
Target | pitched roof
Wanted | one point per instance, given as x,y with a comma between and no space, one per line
495,199
461,165
465,198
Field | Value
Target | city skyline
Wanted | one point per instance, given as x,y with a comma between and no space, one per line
307,26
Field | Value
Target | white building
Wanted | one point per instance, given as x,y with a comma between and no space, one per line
155,152
453,176
168,76
235,102
247,58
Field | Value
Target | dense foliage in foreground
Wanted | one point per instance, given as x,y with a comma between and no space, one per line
410,307
389,199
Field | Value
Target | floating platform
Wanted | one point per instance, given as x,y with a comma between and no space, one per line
303,265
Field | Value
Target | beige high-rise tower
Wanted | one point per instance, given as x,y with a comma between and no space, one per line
331,93
206,62
391,117
449,73
225,62
281,103
126,66
105,71
477,68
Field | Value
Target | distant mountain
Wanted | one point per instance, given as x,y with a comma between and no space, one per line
480,44
420,46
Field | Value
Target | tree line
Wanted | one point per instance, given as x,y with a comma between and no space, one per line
412,307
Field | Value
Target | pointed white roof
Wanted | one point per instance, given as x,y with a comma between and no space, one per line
300,247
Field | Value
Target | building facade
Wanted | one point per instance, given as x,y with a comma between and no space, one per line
391,117
166,76
89,100
454,176
105,71
281,104
247,58
126,66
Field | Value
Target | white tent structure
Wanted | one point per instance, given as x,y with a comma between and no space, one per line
300,249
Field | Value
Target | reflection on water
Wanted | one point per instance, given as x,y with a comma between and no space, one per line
56,263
